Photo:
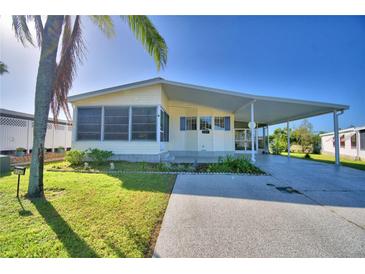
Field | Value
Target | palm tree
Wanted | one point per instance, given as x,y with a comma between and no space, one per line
3,68
54,79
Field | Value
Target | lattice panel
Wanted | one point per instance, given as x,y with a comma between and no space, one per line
14,122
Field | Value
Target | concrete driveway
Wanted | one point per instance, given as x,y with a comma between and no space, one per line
322,215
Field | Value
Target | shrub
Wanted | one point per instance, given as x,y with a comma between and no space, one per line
99,156
20,149
307,156
278,146
236,165
75,157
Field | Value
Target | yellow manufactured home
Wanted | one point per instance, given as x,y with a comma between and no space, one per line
157,120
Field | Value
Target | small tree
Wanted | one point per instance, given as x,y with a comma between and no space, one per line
304,137
316,141
278,141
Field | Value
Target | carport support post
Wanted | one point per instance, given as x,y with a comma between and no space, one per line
288,136
257,139
268,140
252,134
337,145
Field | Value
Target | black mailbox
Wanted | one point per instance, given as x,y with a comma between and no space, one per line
19,170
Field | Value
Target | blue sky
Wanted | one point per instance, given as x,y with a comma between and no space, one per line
319,58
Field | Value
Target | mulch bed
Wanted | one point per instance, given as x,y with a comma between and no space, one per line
26,159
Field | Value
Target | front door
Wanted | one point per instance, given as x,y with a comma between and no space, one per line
205,134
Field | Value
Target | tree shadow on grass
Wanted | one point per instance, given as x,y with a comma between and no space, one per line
75,246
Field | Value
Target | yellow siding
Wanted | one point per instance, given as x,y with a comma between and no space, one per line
145,96
150,95
217,140
164,100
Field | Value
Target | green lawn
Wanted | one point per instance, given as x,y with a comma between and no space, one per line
329,159
84,215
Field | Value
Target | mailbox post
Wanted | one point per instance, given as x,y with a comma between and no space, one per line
19,170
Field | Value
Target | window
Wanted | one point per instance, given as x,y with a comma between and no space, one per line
342,141
89,123
219,123
187,123
362,139
222,123
353,141
144,123
164,122
205,123
116,123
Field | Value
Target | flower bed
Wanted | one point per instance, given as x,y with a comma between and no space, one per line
26,159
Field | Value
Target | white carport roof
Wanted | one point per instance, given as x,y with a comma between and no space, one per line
268,110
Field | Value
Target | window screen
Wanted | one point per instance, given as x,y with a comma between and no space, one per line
116,122
144,123
89,123
205,123
164,126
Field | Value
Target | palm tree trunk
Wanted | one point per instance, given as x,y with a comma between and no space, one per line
43,95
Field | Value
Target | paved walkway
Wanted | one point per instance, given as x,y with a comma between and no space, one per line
247,216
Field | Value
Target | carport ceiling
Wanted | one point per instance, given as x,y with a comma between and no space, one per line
267,110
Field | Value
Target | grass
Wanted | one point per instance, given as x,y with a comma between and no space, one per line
329,159
83,215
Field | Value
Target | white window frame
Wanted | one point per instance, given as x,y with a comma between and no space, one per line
219,119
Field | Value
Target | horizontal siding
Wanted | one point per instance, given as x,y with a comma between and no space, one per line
140,96
145,96
120,147
328,148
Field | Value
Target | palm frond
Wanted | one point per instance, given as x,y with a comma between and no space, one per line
152,41
105,24
3,68
20,26
38,28
72,51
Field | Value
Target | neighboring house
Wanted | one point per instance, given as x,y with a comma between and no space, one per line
156,120
16,131
352,142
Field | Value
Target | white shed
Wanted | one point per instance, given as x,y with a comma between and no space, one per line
16,130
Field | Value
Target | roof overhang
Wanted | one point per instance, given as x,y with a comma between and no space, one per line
268,110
